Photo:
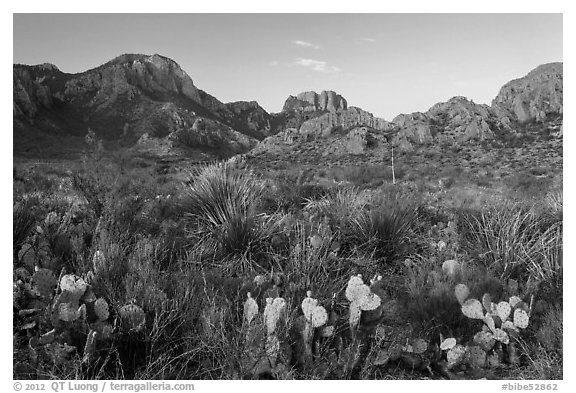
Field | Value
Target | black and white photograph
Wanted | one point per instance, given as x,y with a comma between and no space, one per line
287,196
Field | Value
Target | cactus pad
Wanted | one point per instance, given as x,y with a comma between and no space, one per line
132,316
487,302
355,313
73,284
476,356
450,267
509,325
356,289
472,308
250,308
101,309
447,344
319,316
489,321
501,336
455,355
521,319
273,312
44,281
327,331
462,292
485,340
308,305
419,346
503,310
68,312
514,300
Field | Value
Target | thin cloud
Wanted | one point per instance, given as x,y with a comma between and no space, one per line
368,39
317,65
274,63
305,44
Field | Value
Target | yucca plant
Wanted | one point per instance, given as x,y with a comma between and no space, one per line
513,241
221,205
384,231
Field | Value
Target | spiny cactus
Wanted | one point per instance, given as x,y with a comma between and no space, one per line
101,309
456,355
485,340
462,292
476,356
273,311
521,319
503,310
361,299
69,312
73,284
316,315
132,317
472,308
44,282
448,344
250,308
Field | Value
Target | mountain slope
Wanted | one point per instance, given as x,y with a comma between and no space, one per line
123,100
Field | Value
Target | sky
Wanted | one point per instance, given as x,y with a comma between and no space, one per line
386,64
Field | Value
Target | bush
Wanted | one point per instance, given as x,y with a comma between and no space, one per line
513,241
221,205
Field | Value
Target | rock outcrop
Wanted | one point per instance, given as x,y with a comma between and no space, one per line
250,118
310,101
534,96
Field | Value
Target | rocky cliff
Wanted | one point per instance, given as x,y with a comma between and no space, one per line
534,96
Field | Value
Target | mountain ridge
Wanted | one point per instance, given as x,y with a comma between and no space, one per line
134,95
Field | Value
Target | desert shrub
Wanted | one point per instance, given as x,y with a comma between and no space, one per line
512,241
385,229
341,205
221,205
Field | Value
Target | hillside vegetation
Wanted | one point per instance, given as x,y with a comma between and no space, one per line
123,272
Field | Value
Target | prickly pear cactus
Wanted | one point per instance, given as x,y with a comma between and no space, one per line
521,319
361,299
101,309
132,317
273,312
44,282
448,344
503,310
250,308
487,302
485,340
69,312
315,314
73,284
462,292
514,301
472,308
501,335
456,355
476,357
